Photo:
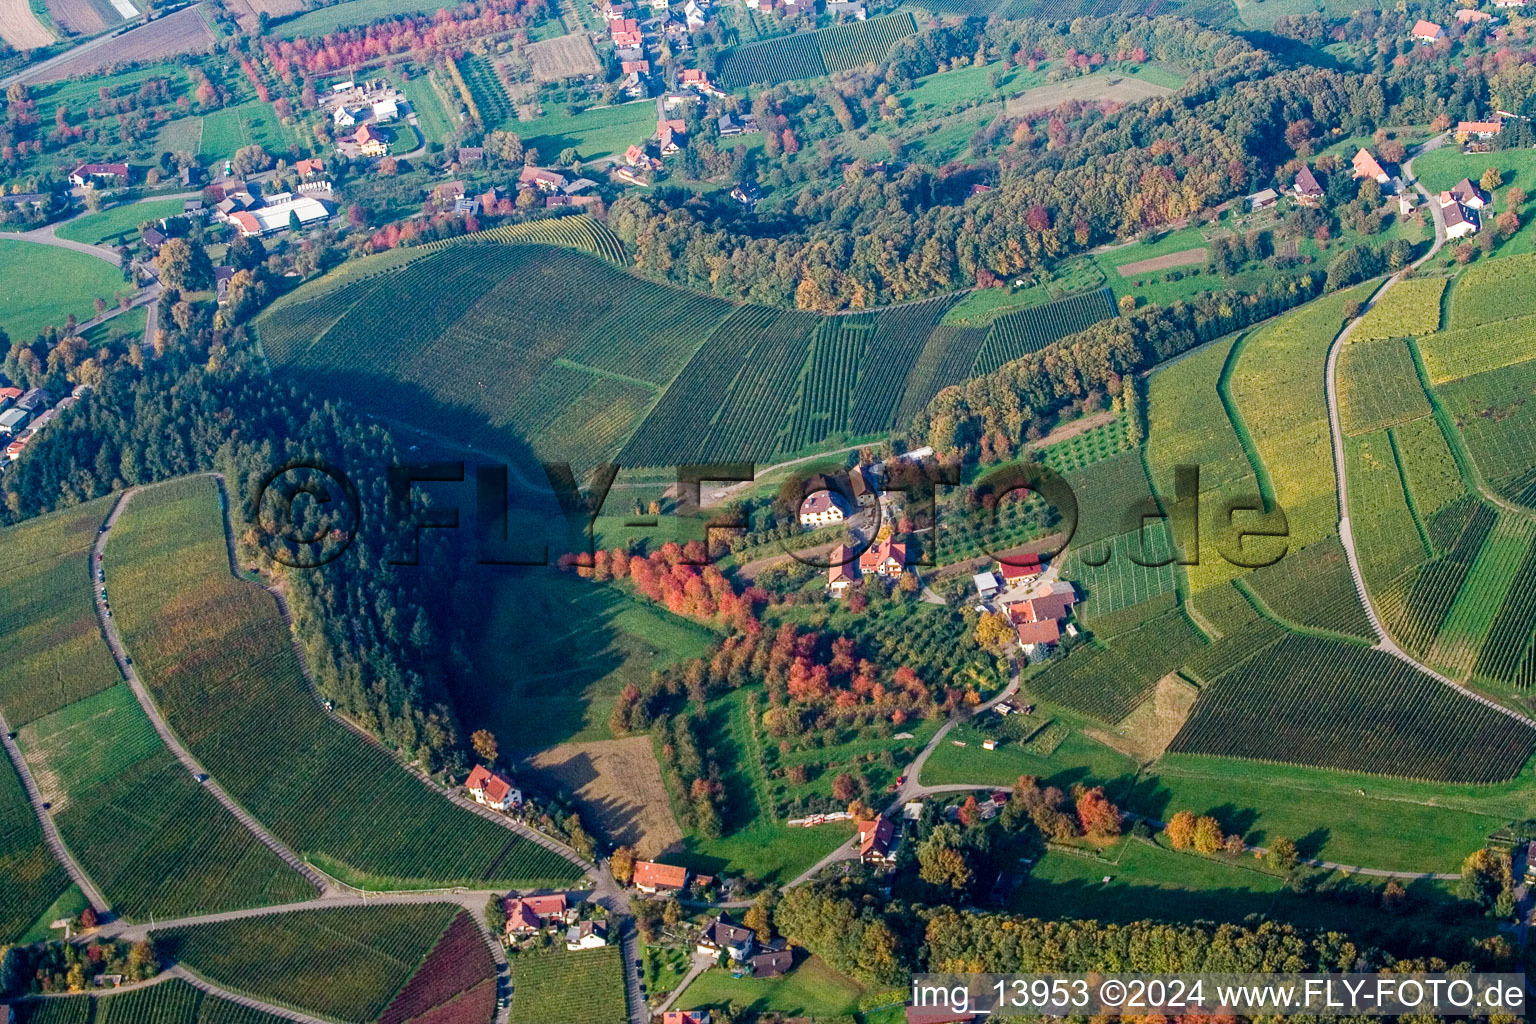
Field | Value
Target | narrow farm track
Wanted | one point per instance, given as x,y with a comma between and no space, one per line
1384,641
50,831
167,736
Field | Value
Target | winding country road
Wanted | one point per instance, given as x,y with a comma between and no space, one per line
1384,641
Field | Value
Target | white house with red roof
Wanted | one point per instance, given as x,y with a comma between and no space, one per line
1037,620
493,789
653,877
886,558
877,841
1366,166
529,914
842,570
823,508
90,174
685,1017
1019,569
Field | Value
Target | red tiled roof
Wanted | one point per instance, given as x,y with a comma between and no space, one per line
820,501
1044,631
661,876
520,916
308,167
1479,127
89,170
875,836
642,66
693,76
1426,30
1366,166
494,785
1018,567
367,134
842,567
248,223
10,392
875,555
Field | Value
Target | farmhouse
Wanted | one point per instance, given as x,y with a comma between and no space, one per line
842,570
1427,32
1478,129
886,558
877,841
586,935
107,174
823,508
653,877
492,788
1037,620
1366,166
1019,569
722,935
1465,193
1458,222
527,914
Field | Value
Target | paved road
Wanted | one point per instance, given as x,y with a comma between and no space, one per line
1384,641
50,831
147,702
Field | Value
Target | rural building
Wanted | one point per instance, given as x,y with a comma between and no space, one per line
1427,32
823,508
448,191
625,32
1478,129
342,117
370,141
9,395
471,154
1019,569
1263,199
877,841
341,87
12,420
670,134
13,450
1037,637
154,238
653,877
1405,204
1037,620
99,174
685,1017
773,961
1458,222
492,788
986,585
221,278
635,67
1366,166
35,400
722,935
692,78
886,559
194,208
1307,188
842,570
385,110
586,935
846,8
542,179
309,168
278,215
1467,16
695,15
528,914
1465,193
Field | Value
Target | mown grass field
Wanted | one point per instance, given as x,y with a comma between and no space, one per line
352,12
220,661
119,225
344,964
810,989
41,285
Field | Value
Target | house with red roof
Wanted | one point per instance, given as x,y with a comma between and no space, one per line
1366,166
493,789
528,914
1017,569
1478,129
305,168
877,841
1427,32
91,174
886,558
685,1017
842,570
1468,16
653,877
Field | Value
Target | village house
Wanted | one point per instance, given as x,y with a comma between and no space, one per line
9,395
1307,188
99,174
309,168
370,141
635,67
695,15
154,238
651,877
221,279
542,179
1427,32
1366,166
586,935
614,11
1037,620
722,935
693,78
447,191
1018,570
1468,16
35,400
842,570
685,1017
670,135
194,208
877,841
773,961
625,33
886,558
469,155
341,117
1458,222
528,914
14,449
728,126
493,789
1465,193
823,508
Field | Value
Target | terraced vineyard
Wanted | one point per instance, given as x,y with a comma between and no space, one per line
30,879
580,232
813,54
229,683
1328,704
1410,308
1313,588
1509,654
1016,335
1106,680
1379,386
1415,607
345,964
